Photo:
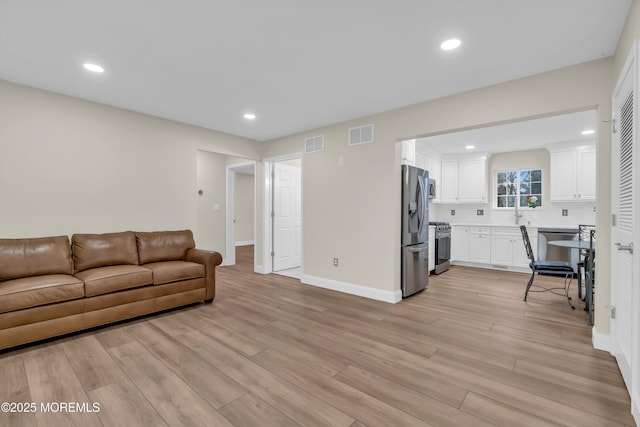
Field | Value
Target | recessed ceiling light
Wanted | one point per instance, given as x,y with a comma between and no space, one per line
249,116
93,67
469,147
450,44
588,132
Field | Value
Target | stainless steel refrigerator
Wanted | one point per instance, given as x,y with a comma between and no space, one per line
415,229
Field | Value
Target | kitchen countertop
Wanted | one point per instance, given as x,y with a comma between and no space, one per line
477,224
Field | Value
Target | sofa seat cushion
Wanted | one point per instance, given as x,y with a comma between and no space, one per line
39,290
174,271
103,280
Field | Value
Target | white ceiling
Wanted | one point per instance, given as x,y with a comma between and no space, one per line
296,64
519,136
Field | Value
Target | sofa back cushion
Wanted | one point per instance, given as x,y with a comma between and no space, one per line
164,245
34,257
100,250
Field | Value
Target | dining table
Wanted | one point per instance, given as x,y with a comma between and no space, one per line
590,251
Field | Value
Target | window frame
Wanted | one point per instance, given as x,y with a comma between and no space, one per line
519,196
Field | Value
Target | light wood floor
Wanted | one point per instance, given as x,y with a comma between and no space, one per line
271,352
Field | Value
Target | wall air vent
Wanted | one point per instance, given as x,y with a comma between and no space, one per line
314,144
361,135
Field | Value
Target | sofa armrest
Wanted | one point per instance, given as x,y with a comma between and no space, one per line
210,259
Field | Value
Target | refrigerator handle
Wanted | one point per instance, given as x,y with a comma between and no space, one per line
421,198
420,249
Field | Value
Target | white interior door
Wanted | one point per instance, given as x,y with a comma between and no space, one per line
287,216
624,208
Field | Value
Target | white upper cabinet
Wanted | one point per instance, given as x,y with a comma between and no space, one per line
587,174
472,180
464,181
449,185
573,174
409,152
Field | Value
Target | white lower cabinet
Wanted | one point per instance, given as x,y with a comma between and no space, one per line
491,246
460,243
480,245
507,247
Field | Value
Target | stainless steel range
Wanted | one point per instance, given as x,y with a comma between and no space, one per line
442,246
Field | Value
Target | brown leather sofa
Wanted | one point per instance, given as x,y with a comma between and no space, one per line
50,287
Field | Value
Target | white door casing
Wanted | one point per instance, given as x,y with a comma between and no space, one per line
624,206
287,216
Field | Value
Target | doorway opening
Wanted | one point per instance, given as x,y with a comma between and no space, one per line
241,209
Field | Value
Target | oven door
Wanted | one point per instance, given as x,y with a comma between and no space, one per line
443,251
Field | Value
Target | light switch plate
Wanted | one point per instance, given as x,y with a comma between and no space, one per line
480,212
453,212
565,212
216,206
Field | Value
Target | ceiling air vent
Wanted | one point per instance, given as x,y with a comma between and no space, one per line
361,135
314,144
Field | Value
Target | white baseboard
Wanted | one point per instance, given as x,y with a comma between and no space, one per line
246,243
600,341
350,288
259,269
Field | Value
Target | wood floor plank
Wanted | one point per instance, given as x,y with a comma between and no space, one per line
294,402
557,391
350,400
52,381
175,401
311,354
250,411
93,365
577,382
122,404
501,415
211,384
14,389
419,405
242,343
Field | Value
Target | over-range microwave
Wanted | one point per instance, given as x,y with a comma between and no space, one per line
432,188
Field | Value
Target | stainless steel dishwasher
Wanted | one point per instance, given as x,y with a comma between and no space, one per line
555,253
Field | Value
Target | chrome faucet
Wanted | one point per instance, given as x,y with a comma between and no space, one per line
517,213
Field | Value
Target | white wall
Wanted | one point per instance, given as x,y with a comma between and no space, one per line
72,166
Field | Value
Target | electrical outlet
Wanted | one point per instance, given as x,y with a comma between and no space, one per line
453,212
335,262
480,212
565,212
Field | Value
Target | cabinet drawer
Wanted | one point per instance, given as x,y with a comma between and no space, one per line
480,230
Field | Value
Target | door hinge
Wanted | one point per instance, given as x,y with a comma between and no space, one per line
273,254
613,220
273,214
613,312
613,126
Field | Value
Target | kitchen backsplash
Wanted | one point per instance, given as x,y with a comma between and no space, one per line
550,215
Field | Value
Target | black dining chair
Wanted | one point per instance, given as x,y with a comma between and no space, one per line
590,274
583,235
548,267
